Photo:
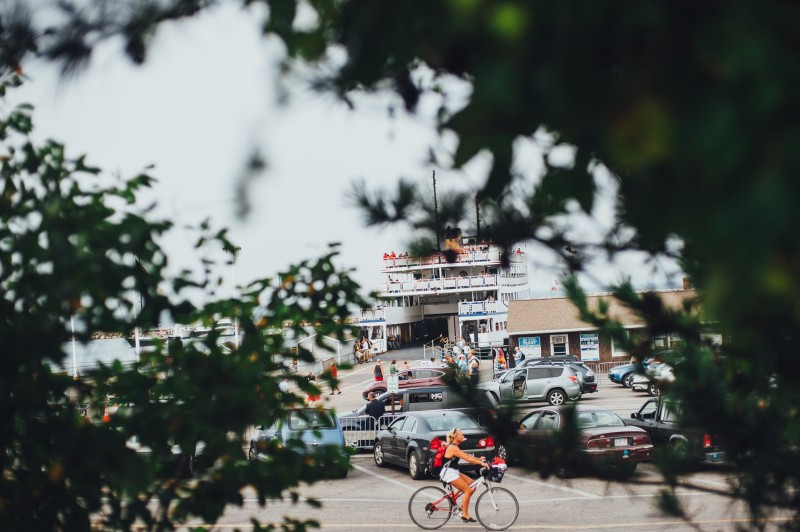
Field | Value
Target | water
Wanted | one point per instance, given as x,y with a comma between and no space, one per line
96,351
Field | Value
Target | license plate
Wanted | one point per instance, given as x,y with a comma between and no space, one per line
620,442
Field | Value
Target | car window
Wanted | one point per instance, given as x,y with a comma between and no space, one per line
425,397
446,423
529,421
648,411
598,418
669,412
311,419
557,372
397,424
410,425
548,421
538,373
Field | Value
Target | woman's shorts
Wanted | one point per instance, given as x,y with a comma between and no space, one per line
449,474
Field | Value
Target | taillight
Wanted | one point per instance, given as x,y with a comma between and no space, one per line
573,378
642,439
599,443
486,442
707,440
436,444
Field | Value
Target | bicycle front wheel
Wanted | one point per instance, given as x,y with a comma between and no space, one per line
429,509
496,509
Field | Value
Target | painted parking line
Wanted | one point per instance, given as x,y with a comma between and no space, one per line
385,478
584,494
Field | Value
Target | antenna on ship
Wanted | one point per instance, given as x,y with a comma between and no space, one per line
477,219
436,214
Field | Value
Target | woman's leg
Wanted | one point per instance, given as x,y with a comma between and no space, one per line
462,483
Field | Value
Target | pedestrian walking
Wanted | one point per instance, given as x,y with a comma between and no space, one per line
405,366
334,378
378,371
313,396
393,368
474,369
284,385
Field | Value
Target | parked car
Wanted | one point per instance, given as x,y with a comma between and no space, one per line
415,437
172,461
585,374
312,432
625,373
409,378
360,430
604,439
554,383
653,378
660,418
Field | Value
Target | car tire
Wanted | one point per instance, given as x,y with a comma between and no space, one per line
680,448
415,467
377,455
556,397
343,472
653,389
627,380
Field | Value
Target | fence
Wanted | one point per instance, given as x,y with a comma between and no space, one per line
602,368
360,431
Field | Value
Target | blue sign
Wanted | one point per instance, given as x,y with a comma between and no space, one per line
531,345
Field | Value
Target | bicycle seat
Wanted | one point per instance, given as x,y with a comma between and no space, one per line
447,486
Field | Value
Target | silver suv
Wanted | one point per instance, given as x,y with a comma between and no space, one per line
552,383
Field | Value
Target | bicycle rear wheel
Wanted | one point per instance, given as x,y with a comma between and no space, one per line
496,509
426,512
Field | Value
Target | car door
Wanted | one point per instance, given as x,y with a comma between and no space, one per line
646,418
667,422
537,384
543,428
404,438
391,443
512,385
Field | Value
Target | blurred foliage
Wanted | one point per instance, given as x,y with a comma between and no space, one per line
74,246
691,106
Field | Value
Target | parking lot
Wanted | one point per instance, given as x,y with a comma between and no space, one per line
373,498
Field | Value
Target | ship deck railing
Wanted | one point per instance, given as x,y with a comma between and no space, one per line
467,255
428,285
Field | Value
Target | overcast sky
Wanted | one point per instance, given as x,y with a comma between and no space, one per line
206,98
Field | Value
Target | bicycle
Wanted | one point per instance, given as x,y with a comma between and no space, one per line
496,508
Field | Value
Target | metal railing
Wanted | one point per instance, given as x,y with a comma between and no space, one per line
360,431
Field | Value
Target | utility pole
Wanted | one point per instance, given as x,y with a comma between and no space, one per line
235,255
436,214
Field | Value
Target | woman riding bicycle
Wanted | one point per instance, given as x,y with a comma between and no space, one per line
451,474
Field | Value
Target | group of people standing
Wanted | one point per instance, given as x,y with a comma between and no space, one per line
362,350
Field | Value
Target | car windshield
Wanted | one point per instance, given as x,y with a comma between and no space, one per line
598,418
311,419
447,423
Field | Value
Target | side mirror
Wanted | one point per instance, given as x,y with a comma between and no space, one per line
635,415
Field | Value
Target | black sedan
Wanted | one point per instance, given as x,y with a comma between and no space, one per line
604,440
412,439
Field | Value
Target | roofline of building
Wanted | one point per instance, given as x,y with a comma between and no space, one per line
562,331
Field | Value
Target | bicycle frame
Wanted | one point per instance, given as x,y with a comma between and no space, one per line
454,495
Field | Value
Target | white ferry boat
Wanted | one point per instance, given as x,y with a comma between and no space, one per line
421,298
